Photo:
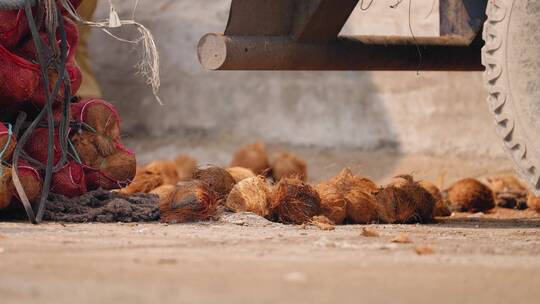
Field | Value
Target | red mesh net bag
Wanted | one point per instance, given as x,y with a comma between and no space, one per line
20,80
7,142
69,181
13,27
30,180
37,145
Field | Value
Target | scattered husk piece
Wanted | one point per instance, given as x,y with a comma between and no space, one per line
346,180
167,170
217,179
333,203
368,232
509,191
144,182
424,250
253,157
239,173
185,166
294,202
441,207
402,239
6,193
250,195
322,222
470,195
408,203
164,192
190,202
534,202
287,165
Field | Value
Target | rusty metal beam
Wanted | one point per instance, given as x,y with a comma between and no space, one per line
218,52
260,17
463,18
320,21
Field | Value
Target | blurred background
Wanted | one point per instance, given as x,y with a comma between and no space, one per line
433,124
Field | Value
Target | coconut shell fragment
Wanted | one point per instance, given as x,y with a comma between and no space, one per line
286,165
441,207
239,173
167,170
250,195
253,157
470,195
295,202
217,179
190,202
185,166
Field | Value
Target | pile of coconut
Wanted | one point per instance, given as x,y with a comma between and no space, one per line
277,190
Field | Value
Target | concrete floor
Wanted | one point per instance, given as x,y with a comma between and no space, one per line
249,260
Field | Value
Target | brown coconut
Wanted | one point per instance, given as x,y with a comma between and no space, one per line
7,144
217,179
164,192
6,191
509,191
250,195
533,202
405,202
441,207
106,125
333,203
190,202
253,157
143,182
167,170
294,202
470,195
86,147
239,173
31,183
120,166
346,180
286,165
362,207
185,167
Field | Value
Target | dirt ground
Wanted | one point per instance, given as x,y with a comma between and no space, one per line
479,258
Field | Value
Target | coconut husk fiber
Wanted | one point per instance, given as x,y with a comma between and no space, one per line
471,195
250,195
164,192
103,206
167,170
217,179
346,180
190,202
287,165
508,191
362,207
240,173
144,182
333,203
441,206
533,202
294,202
114,172
185,167
404,201
253,157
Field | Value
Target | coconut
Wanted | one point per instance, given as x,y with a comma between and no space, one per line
441,207
509,191
69,181
470,195
190,202
84,143
239,173
287,165
533,202
185,166
167,170
253,157
250,195
7,143
346,180
30,180
114,172
295,202
164,192
217,179
333,203
102,119
362,207
6,193
144,182
405,201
